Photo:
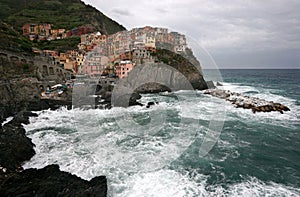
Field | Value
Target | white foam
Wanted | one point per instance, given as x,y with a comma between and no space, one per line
165,183
7,120
63,136
255,187
90,143
236,87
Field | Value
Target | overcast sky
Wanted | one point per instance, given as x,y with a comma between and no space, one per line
236,33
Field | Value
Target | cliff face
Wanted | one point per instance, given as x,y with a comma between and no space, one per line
154,78
186,64
175,72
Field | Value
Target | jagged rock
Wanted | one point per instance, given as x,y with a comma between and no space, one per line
15,146
50,181
210,84
150,104
219,84
247,102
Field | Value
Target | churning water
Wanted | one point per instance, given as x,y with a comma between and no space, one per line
155,151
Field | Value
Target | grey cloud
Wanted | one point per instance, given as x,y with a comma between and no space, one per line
162,10
224,27
121,11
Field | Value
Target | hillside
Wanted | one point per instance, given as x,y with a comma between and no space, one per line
11,40
65,14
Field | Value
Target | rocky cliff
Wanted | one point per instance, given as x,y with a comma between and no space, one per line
185,63
15,148
174,72
154,78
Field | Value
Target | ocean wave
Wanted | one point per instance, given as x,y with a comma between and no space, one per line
165,183
135,157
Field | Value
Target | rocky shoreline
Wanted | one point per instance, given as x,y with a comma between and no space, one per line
247,102
16,148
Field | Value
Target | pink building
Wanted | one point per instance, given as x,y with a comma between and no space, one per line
124,68
95,63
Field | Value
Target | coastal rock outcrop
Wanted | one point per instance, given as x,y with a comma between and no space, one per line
50,181
247,102
16,148
16,96
172,73
87,96
154,78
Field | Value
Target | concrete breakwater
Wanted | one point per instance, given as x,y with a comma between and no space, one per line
247,102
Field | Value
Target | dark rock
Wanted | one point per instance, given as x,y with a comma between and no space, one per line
30,114
150,104
219,84
106,96
186,64
247,102
247,106
136,96
152,88
267,109
50,181
15,146
210,84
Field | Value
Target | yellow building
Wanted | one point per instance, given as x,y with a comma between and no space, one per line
150,42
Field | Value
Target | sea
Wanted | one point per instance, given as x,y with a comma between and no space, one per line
187,144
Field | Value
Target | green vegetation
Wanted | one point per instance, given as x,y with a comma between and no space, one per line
11,40
61,14
66,14
177,61
59,45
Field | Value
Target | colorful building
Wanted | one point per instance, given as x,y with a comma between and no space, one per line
123,68
95,63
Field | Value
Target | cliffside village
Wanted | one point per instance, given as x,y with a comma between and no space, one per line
106,56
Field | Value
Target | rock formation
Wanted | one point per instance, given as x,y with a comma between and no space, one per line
50,181
173,70
247,102
16,148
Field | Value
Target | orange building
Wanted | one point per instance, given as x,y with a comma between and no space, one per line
30,28
124,68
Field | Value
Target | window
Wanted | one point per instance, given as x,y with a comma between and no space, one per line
31,28
127,68
123,73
